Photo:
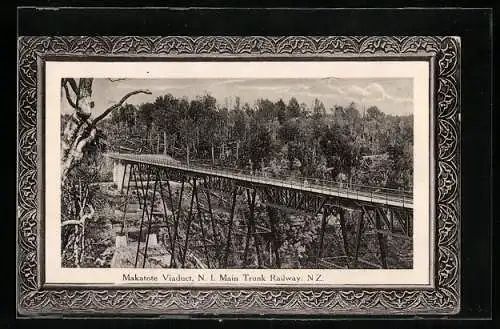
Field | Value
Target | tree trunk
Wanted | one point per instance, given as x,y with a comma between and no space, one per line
157,143
165,143
187,153
82,249
148,134
197,138
79,131
237,150
76,249
213,155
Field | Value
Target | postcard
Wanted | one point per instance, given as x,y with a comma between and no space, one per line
327,178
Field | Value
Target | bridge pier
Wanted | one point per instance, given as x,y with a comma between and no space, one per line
120,173
120,241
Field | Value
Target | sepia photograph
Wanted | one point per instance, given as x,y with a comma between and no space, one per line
237,173
270,173
280,175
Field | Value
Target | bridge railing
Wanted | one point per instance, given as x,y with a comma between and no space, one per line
357,191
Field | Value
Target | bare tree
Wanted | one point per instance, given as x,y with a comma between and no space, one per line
81,129
78,141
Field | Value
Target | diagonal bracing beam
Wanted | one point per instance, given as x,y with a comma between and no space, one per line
189,219
150,220
343,232
212,220
144,212
201,220
359,234
176,214
127,195
324,221
165,208
230,228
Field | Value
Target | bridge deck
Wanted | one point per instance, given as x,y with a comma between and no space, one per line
366,194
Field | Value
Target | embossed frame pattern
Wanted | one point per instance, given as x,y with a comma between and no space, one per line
444,298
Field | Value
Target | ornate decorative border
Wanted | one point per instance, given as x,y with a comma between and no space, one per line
444,298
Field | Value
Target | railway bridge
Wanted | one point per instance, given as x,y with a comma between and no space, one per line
183,201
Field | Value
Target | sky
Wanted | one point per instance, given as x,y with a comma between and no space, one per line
390,95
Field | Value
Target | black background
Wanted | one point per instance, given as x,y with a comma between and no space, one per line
473,26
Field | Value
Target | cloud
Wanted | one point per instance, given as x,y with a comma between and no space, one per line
377,89
330,90
337,89
375,92
276,88
315,94
227,82
359,91
291,87
165,87
302,87
153,85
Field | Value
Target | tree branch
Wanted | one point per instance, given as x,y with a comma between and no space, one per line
72,83
72,222
115,80
117,105
68,97
81,221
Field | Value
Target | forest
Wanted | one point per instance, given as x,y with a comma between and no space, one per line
284,139
287,139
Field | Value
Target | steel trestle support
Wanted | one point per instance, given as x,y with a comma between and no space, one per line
202,228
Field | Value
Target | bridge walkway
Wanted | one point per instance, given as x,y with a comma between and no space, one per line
367,194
